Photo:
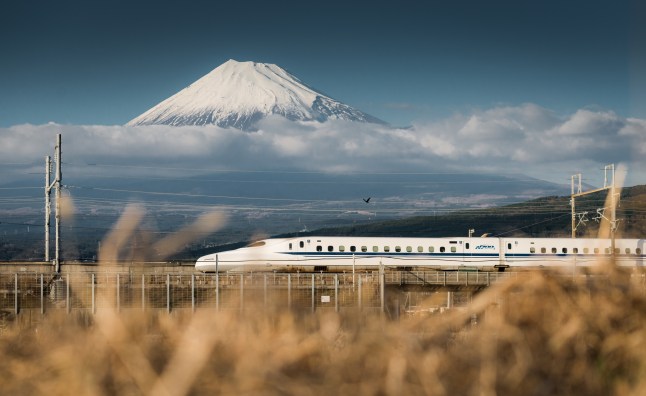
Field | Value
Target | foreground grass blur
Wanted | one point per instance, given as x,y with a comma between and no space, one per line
544,335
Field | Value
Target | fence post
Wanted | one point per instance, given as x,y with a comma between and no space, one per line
93,300
265,291
313,295
143,292
382,288
168,293
68,305
289,291
193,292
42,298
217,291
118,293
360,297
241,292
15,294
336,292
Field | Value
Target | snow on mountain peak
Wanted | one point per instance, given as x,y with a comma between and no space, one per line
238,94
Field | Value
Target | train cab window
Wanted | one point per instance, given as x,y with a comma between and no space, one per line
386,249
532,249
353,249
409,249
341,248
420,249
543,250
453,249
554,250
364,248
564,250
375,249
301,244
575,250
319,248
330,248
398,249
431,249
638,251
442,249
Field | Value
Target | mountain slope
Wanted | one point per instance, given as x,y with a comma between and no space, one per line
238,94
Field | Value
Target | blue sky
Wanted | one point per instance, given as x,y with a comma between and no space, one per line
105,62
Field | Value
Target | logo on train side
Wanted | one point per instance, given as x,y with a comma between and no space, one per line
479,247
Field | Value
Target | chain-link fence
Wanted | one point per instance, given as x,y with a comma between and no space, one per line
369,291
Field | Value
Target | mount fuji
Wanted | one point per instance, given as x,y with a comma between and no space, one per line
239,94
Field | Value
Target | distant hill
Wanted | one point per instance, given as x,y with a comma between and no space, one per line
542,217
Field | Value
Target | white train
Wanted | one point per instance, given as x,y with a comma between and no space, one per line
329,253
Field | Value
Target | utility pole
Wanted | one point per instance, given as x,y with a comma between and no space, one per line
56,184
48,165
606,186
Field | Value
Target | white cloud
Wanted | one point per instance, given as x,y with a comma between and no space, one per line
525,139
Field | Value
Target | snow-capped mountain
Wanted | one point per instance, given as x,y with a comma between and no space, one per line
238,94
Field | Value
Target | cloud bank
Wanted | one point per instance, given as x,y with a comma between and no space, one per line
526,139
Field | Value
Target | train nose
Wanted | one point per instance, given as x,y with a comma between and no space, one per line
206,264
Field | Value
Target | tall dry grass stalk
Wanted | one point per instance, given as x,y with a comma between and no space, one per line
539,335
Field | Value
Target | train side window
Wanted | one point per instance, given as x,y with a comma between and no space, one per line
364,248
409,249
627,250
554,250
420,249
617,250
353,248
290,246
330,248
319,248
431,249
302,244
341,248
375,249
586,250
386,249
532,249
543,250
467,245
453,249
398,249
638,251
596,250
575,250
509,246
607,250
564,250
442,249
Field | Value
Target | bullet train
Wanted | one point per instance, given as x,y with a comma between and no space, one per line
330,253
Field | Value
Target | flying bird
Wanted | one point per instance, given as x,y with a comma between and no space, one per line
367,200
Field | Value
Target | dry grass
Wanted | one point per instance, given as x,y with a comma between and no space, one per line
541,335
547,335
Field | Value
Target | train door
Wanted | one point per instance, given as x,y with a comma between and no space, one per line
504,249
